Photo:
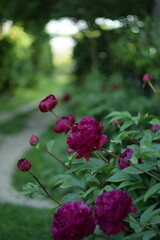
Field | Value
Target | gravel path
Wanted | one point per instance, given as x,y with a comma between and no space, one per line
12,150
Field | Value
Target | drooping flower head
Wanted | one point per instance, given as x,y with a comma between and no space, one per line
86,136
127,154
110,209
33,140
23,165
154,127
73,221
61,126
147,77
48,103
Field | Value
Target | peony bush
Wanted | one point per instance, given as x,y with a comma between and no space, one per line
114,182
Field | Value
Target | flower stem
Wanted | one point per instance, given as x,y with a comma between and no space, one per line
43,148
150,84
48,195
131,164
99,155
140,224
59,118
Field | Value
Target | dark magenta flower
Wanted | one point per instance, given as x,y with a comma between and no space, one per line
33,140
115,86
86,136
66,97
48,103
73,221
147,77
115,122
154,127
24,165
110,209
127,154
61,126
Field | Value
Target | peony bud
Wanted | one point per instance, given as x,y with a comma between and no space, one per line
154,127
115,122
33,140
147,77
24,165
48,103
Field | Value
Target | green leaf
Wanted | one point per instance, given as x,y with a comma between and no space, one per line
146,141
133,170
155,121
126,124
70,197
50,144
90,190
120,115
155,219
149,151
120,176
148,213
125,184
154,189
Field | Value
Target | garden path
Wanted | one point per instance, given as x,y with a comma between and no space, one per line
12,149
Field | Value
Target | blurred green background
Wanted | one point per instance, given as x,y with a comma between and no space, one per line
92,55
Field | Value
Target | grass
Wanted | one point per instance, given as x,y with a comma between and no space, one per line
24,223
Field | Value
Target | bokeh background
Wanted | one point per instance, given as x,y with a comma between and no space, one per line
92,55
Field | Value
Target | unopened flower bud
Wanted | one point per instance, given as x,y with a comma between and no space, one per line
33,140
23,165
48,103
115,122
154,127
147,77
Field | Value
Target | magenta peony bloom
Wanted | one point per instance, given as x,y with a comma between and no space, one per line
73,221
154,127
110,209
33,140
61,126
24,165
115,86
115,122
48,103
127,154
86,136
66,97
147,77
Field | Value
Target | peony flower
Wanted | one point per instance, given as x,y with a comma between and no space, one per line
73,221
110,209
147,77
66,97
24,165
61,126
127,154
48,103
86,136
154,127
33,140
115,122
115,86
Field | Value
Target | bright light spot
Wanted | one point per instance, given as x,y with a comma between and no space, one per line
62,44
65,26
110,24
6,26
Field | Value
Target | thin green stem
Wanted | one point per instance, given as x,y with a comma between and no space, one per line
59,118
131,164
140,224
99,155
48,195
43,148
150,84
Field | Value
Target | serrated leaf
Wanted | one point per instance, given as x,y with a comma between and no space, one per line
152,191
